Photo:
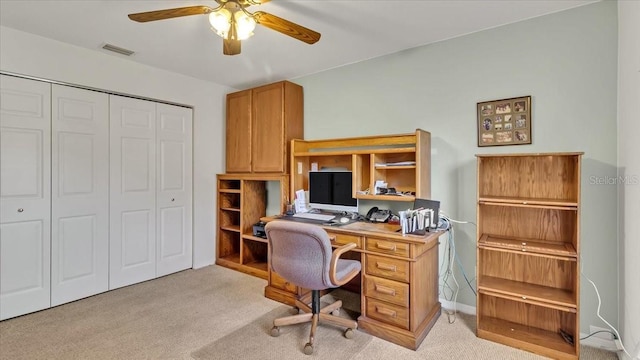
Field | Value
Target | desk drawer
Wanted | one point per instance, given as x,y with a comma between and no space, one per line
280,283
388,247
387,290
342,239
388,313
387,268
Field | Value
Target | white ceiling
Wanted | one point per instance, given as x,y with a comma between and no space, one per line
351,31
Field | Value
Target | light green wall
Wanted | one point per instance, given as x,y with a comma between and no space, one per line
565,61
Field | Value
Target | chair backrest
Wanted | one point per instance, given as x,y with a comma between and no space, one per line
300,253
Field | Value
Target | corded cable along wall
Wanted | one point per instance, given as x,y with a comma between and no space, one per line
448,292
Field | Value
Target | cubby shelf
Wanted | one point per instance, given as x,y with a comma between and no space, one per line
242,201
528,251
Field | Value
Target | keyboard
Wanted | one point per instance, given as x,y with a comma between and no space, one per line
312,216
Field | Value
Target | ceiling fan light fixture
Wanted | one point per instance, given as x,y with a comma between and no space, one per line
245,24
221,22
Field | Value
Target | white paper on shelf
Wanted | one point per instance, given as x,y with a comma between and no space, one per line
399,163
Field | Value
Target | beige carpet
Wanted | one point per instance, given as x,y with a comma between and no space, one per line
253,342
204,314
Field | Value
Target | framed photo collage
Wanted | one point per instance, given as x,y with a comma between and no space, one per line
504,122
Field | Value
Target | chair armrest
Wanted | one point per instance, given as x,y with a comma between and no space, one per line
334,262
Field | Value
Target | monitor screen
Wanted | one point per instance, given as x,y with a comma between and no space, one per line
331,190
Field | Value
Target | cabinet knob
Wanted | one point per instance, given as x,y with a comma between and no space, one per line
524,250
20,210
173,199
524,244
524,298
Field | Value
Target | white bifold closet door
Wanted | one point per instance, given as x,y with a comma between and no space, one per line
132,191
174,180
25,198
150,191
79,193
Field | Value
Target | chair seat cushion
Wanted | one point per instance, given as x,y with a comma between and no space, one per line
344,267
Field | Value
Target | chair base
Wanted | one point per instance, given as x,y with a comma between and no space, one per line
326,314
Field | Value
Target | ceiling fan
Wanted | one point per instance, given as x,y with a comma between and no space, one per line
233,22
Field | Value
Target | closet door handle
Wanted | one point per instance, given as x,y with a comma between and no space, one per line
20,210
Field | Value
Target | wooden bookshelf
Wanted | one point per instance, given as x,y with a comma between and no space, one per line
528,216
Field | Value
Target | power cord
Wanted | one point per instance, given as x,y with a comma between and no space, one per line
617,338
446,269
447,220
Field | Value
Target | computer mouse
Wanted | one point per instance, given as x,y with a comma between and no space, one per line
344,220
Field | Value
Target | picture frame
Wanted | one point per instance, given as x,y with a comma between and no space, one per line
504,122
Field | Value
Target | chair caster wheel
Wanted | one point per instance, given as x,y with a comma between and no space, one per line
275,331
308,349
336,312
348,333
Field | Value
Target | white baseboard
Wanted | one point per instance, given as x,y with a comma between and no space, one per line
597,342
450,305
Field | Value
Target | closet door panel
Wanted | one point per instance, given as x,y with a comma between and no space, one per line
132,245
174,200
25,196
80,194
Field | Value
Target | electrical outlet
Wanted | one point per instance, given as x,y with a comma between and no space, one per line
606,334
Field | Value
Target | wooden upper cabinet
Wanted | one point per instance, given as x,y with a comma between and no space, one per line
260,124
238,151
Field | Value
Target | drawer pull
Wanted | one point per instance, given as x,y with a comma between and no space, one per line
524,244
524,298
386,312
385,290
383,266
391,247
524,249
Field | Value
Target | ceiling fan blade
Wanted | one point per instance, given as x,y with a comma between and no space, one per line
231,47
286,27
170,13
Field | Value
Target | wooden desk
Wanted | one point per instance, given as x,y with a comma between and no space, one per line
399,281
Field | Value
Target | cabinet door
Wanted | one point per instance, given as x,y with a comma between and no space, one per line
239,140
79,194
25,191
267,129
132,239
173,189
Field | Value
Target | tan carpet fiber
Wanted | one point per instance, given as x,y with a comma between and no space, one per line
216,313
254,342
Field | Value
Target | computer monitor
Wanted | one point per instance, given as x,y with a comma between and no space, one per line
331,191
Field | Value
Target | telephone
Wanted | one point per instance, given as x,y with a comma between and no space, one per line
377,215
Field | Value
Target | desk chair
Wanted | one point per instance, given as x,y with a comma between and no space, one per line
301,253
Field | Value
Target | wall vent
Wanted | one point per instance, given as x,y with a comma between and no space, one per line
118,49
